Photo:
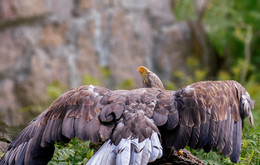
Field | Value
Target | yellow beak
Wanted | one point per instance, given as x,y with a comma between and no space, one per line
143,71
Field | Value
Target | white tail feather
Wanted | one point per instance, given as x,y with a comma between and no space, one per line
123,152
156,148
128,151
109,155
137,151
146,152
95,160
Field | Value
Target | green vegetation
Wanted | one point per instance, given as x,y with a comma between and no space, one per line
126,84
55,89
76,152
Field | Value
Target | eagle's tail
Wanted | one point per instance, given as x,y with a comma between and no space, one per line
128,151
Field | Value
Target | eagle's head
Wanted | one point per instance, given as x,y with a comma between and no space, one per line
150,79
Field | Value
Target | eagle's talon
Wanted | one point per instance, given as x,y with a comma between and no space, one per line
180,153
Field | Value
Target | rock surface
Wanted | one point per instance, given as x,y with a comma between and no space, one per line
3,147
46,41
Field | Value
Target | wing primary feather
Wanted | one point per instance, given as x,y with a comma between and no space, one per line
211,136
68,127
55,134
20,156
220,142
183,137
12,156
47,138
92,129
194,137
237,135
227,150
204,129
6,157
80,131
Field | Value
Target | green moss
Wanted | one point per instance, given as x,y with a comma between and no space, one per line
169,85
184,9
127,84
55,89
105,72
90,80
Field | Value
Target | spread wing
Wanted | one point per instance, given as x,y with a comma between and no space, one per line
211,115
125,118
205,115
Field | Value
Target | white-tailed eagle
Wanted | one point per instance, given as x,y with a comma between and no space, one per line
137,124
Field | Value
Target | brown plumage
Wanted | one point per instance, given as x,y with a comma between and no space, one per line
206,115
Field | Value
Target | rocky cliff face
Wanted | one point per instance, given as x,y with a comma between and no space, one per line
45,41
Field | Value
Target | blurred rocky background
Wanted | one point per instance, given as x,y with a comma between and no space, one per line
48,47
45,42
